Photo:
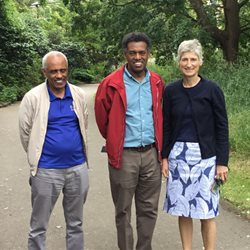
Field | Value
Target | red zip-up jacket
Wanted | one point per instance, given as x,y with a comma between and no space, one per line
110,113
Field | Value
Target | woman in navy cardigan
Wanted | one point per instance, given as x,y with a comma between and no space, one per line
195,147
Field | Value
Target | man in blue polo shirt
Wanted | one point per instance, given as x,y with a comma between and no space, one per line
53,131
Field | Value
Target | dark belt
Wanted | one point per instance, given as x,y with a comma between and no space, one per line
141,148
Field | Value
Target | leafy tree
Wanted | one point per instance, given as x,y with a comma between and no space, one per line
223,22
219,23
21,41
90,33
87,29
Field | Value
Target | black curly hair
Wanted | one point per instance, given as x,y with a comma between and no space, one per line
135,37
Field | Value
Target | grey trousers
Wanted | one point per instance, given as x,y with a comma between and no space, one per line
46,187
139,177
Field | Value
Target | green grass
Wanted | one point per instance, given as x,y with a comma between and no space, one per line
239,132
237,189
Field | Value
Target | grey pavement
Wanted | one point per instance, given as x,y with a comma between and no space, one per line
99,225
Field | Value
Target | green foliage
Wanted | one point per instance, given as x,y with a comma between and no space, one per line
12,93
8,94
168,32
94,73
239,127
234,80
36,36
168,72
77,55
245,23
18,52
166,22
56,21
81,75
9,15
99,70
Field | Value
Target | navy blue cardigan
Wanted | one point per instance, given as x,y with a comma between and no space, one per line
209,114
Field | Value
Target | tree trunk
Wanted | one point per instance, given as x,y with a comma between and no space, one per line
232,30
227,38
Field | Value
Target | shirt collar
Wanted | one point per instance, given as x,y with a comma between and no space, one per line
147,75
67,94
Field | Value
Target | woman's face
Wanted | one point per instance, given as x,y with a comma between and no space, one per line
189,64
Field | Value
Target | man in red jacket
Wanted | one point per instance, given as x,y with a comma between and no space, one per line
128,109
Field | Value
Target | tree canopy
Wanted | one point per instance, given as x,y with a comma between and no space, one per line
89,32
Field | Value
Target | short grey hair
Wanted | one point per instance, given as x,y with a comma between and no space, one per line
190,46
52,53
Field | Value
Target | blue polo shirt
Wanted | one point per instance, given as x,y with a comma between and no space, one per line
139,113
63,145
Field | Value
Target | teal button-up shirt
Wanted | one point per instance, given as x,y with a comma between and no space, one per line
139,113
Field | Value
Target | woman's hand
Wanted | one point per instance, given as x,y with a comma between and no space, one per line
221,173
164,167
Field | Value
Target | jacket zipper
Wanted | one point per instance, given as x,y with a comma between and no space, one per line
156,120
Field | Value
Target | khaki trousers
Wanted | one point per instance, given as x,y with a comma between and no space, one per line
139,177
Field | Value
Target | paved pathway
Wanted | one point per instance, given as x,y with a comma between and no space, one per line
100,234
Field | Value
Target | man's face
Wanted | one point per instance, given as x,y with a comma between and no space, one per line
137,55
56,72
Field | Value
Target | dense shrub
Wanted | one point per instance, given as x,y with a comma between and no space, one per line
234,80
75,52
81,75
239,127
22,41
169,72
98,71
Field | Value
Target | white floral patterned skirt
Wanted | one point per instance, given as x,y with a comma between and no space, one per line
189,184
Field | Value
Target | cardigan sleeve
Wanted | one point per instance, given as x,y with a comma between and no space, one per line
166,123
221,127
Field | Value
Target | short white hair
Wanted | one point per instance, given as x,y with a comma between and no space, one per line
52,53
190,46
